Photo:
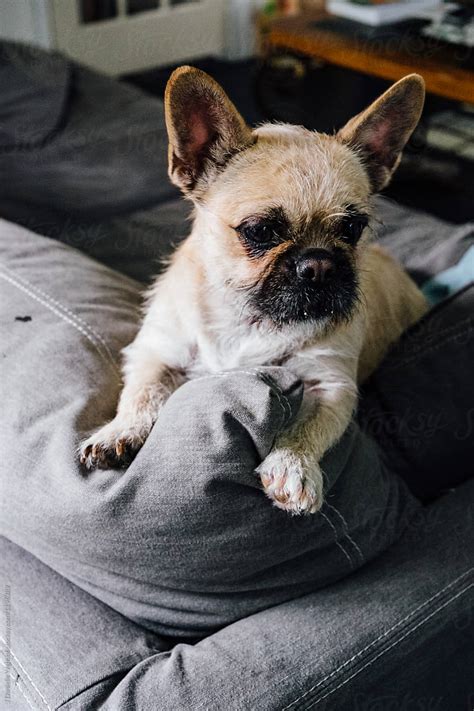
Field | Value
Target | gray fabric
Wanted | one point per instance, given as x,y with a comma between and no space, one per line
135,244
424,244
35,92
106,156
203,546
419,428
397,634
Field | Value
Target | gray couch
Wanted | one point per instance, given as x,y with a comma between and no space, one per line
389,627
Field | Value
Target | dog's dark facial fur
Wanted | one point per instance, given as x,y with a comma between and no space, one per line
314,276
283,299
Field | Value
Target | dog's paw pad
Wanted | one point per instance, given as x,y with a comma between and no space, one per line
288,482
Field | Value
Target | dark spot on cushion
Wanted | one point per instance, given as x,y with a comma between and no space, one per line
23,318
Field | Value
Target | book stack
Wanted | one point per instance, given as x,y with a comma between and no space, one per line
380,12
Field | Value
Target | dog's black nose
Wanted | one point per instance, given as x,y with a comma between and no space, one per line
315,265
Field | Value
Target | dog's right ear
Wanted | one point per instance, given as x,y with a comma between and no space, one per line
204,128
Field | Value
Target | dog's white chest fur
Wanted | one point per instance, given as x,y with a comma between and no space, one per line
244,346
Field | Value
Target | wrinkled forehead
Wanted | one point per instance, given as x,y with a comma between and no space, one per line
305,173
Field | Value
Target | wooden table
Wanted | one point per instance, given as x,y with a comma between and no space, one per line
443,67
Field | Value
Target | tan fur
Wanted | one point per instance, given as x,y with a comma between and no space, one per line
199,320
392,303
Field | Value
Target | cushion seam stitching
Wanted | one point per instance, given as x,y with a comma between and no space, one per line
63,316
16,680
74,316
385,634
34,686
423,352
384,650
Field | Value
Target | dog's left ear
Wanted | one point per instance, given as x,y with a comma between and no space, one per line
204,128
379,133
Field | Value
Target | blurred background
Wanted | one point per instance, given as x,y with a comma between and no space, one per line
309,62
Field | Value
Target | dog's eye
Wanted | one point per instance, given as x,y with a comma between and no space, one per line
352,228
259,233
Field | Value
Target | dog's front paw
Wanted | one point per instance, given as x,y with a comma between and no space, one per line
293,483
114,445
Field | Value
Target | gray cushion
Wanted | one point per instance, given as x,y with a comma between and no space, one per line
184,541
35,91
114,535
418,403
103,152
424,244
398,631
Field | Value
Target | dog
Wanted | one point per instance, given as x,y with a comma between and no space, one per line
278,269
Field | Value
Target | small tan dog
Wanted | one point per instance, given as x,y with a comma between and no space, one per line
277,269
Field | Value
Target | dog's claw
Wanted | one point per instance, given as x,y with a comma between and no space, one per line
120,447
113,446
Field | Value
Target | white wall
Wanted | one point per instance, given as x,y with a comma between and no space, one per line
26,21
31,21
240,35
